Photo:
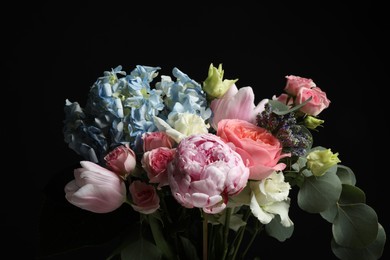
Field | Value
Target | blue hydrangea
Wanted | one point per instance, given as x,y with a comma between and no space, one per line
119,109
182,95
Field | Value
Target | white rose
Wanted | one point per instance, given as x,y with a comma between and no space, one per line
189,124
269,198
182,125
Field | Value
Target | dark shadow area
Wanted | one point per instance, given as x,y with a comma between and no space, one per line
59,50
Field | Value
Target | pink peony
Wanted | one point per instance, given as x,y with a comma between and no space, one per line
144,197
155,164
259,149
121,160
95,189
318,102
236,104
295,83
152,140
205,172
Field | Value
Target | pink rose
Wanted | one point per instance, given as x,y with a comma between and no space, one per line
155,164
121,160
144,197
235,104
295,83
259,149
153,140
95,189
205,171
318,102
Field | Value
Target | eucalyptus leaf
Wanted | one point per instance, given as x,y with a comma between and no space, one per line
277,230
281,109
346,175
330,213
140,250
317,194
351,195
373,251
355,226
299,164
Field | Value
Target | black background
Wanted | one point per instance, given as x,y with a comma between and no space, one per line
55,51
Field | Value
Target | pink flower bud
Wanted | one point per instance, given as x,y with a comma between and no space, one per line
144,197
121,160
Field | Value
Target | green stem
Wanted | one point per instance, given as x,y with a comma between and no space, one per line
205,242
159,238
258,228
226,231
241,232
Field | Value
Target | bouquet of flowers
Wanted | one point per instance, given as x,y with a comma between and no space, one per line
204,166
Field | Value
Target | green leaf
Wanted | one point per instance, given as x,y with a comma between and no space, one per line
189,250
355,226
281,109
299,164
140,250
346,175
373,251
351,195
319,193
330,213
277,230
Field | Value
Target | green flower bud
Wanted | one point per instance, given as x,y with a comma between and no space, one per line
319,161
213,84
312,122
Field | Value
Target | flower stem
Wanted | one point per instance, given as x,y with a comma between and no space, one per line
240,234
258,228
226,231
205,242
159,238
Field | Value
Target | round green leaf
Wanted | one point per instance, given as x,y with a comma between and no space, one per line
346,175
277,230
330,213
355,226
351,195
319,193
373,251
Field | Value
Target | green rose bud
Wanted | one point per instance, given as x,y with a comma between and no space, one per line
213,84
312,122
319,161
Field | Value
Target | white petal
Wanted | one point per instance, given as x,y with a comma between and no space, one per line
258,212
280,208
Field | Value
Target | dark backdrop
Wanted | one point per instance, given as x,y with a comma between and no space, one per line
57,50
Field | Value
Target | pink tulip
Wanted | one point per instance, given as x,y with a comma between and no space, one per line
205,172
121,160
95,189
144,197
235,104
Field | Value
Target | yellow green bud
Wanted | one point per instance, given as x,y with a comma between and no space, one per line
214,85
319,161
312,122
